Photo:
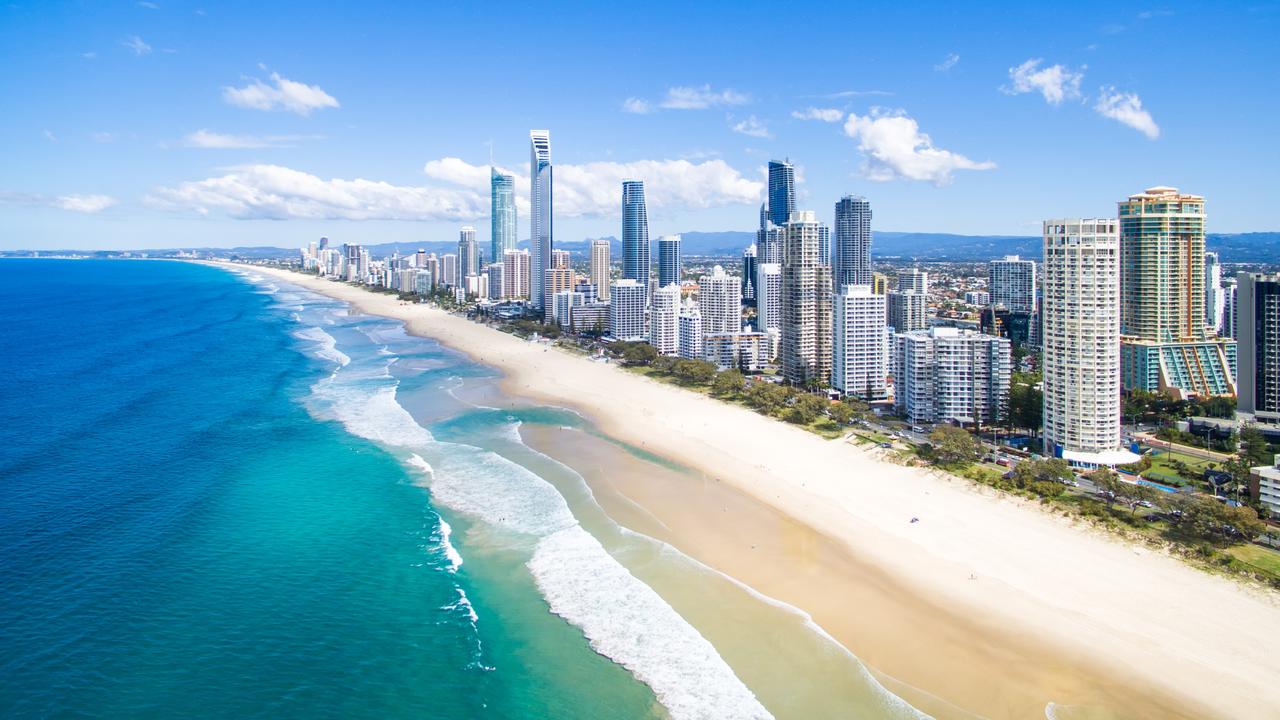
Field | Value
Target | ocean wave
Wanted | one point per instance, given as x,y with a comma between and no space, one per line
626,621
326,346
371,414
487,486
450,552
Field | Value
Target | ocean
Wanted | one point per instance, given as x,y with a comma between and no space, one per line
224,496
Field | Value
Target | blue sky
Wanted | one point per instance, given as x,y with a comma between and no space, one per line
166,123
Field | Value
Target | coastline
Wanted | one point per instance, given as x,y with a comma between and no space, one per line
982,584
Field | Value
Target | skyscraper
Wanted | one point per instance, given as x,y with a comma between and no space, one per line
769,297
860,361
749,275
720,302
690,329
600,267
555,280
669,263
806,304
635,233
1214,301
1081,310
1258,317
907,311
515,274
852,248
914,280
1164,347
664,331
782,191
540,203
1012,282
502,214
468,252
626,310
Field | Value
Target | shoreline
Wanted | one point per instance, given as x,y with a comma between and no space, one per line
998,584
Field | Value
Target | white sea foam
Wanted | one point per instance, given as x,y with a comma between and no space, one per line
416,460
450,552
626,621
498,491
326,346
372,414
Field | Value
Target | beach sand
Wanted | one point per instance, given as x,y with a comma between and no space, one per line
987,605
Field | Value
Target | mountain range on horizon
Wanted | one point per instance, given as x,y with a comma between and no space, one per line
1254,247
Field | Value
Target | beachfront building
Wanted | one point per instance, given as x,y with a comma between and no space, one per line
468,252
497,284
669,264
476,286
635,234
563,304
424,282
502,214
515,274
540,219
1081,309
1012,282
860,363
1164,346
769,297
690,330
1258,314
590,318
626,310
720,302
782,192
907,311
664,330
449,270
913,280
749,275
747,351
806,304
1264,488
556,279
946,374
600,267
851,261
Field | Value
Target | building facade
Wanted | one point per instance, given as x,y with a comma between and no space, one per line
860,336
744,350
950,375
782,192
635,233
540,220
851,253
468,252
690,329
627,310
907,311
720,302
502,214
555,280
806,304
913,280
669,263
664,325
515,274
1258,315
1012,283
600,267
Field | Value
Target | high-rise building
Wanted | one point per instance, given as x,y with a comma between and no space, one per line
1012,282
560,259
806,304
1081,311
720,302
555,279
1258,319
948,374
913,280
563,305
635,233
669,263
540,221
626,310
1164,346
907,311
1228,329
749,275
769,297
468,252
356,269
743,350
1214,301
502,214
600,267
664,323
449,270
782,191
981,298
690,329
852,249
515,274
860,361
497,284
879,283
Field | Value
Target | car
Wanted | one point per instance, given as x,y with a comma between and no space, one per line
917,429
1003,462
886,444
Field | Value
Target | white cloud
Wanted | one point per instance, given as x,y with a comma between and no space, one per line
751,126
639,106
850,93
831,115
460,192
84,203
221,141
1126,108
947,64
89,55
136,45
283,94
1056,82
48,135
701,98
148,5
895,148
103,137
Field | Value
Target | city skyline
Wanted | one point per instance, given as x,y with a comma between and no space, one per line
134,131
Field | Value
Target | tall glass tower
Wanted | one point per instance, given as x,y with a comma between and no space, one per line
502,214
782,191
635,233
540,213
669,263
852,250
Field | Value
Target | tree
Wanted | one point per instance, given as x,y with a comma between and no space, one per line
727,383
1253,445
1026,407
805,409
1108,482
840,413
639,354
859,407
693,372
954,445
766,397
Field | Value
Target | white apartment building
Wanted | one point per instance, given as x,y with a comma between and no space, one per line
600,267
769,297
744,350
515,274
947,374
664,315
563,304
861,336
907,311
497,283
720,302
913,280
1081,313
626,310
1012,282
690,330
977,297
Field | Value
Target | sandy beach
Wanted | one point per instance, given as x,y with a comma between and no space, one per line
987,606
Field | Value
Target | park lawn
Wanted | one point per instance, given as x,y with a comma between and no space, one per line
1261,559
1162,470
